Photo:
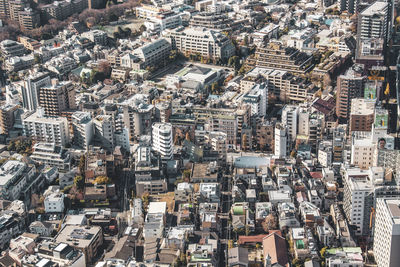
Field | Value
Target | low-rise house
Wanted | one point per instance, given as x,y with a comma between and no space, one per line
202,255
262,210
183,192
54,200
310,214
346,256
185,214
279,196
238,257
204,173
314,198
301,243
44,229
208,216
326,234
209,192
287,215
14,64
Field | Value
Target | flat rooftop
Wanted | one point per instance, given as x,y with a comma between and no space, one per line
157,207
78,236
9,170
393,206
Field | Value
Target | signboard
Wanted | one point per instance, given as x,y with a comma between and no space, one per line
381,120
370,91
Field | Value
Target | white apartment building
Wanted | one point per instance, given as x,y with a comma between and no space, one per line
257,98
362,150
166,20
373,21
162,140
30,89
54,202
14,177
280,140
325,153
218,141
208,43
51,155
147,11
48,129
104,131
83,129
387,232
358,199
289,119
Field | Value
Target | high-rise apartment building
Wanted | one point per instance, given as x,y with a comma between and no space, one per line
289,119
349,86
137,117
48,129
358,199
83,128
350,6
373,21
387,232
281,139
361,115
104,131
15,7
4,9
7,117
31,87
162,140
257,98
28,19
57,97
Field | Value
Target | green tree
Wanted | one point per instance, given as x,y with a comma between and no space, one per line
246,40
214,87
11,146
82,165
186,174
37,59
79,182
242,70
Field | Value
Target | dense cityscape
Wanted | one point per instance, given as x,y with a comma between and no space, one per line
199,133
